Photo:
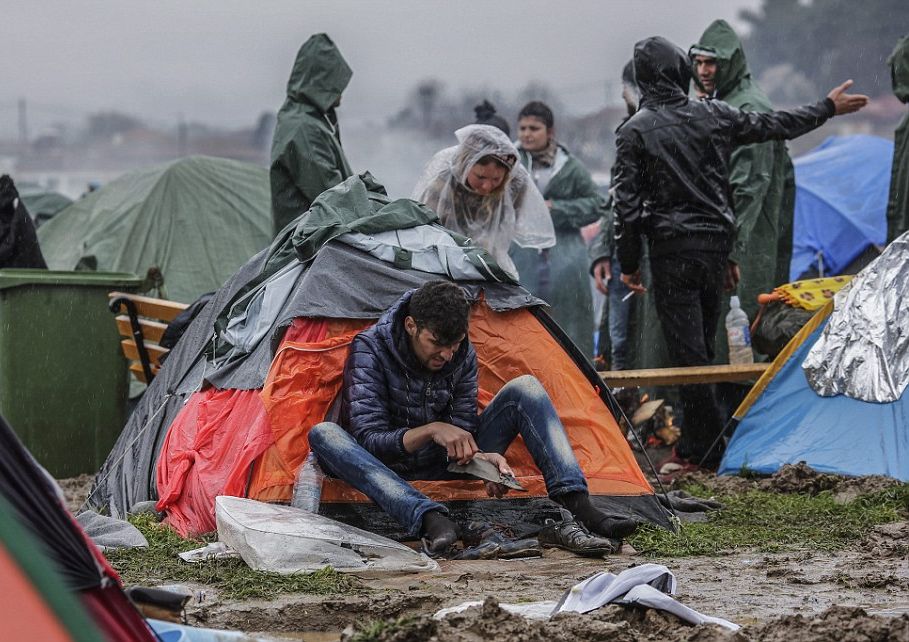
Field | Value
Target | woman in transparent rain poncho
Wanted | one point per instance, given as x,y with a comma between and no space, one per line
479,190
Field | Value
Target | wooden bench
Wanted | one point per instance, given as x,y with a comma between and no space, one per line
141,327
682,376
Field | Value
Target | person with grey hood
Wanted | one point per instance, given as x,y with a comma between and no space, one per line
672,189
306,153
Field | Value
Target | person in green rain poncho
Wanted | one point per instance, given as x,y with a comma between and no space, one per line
761,176
306,153
559,274
898,204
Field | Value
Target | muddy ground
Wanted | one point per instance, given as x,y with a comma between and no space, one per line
861,593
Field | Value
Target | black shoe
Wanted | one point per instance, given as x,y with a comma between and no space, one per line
573,536
437,534
609,526
612,527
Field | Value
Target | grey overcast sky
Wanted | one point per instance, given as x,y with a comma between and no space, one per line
225,61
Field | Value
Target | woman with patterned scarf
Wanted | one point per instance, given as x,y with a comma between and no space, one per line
559,274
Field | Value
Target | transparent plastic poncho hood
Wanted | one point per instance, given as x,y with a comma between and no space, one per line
515,213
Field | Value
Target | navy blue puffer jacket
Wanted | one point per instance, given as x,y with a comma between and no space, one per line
386,392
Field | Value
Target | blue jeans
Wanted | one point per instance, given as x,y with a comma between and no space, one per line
521,407
619,313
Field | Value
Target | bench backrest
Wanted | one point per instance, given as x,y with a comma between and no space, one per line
142,334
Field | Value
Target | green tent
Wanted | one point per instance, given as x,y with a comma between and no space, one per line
42,204
196,220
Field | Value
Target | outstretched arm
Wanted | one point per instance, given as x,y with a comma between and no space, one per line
757,127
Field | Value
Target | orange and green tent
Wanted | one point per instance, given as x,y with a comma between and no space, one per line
261,364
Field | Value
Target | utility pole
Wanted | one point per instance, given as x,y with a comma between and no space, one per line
23,124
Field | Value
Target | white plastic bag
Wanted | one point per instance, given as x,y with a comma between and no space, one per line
284,539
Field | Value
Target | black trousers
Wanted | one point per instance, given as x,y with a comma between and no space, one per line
687,288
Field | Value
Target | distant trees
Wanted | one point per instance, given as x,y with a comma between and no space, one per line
432,110
827,41
107,124
436,113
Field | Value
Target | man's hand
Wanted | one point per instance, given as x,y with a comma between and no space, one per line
492,488
846,103
602,273
458,442
732,276
633,281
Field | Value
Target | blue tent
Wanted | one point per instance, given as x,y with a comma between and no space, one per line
784,421
841,190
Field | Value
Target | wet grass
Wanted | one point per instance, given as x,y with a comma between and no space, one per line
232,578
375,629
773,522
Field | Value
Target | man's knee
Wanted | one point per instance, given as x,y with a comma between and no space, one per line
526,386
323,435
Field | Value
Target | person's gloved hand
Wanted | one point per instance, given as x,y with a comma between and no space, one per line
683,502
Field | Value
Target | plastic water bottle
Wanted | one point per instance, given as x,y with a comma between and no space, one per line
308,485
738,334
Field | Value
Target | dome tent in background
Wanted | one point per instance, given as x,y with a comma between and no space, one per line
196,219
42,204
841,190
836,396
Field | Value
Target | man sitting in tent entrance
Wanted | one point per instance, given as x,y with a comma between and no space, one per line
409,406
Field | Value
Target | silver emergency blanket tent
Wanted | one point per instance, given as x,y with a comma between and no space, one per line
863,352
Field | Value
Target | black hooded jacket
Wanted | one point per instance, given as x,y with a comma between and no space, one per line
18,241
672,158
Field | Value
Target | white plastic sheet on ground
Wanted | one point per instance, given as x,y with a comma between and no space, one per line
863,352
284,539
647,585
110,532
212,551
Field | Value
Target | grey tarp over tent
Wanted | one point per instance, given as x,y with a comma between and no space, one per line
196,219
328,275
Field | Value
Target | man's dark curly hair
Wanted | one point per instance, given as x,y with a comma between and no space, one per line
441,308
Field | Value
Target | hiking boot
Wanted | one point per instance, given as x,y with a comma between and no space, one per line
437,534
572,535
486,540
597,521
675,466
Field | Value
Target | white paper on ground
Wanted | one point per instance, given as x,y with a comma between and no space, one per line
530,610
287,540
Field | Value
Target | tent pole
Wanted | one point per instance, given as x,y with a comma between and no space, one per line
605,393
716,441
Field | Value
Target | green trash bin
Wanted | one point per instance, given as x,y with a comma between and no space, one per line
63,377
